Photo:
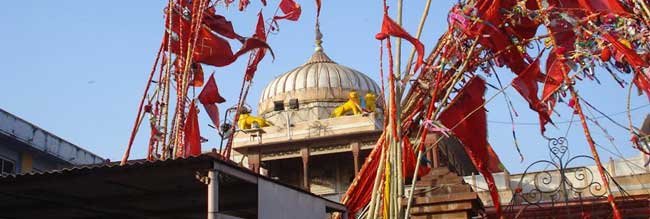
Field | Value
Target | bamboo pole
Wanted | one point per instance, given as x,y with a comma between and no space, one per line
138,118
397,155
398,41
167,84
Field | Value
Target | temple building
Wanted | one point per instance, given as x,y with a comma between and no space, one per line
307,146
303,135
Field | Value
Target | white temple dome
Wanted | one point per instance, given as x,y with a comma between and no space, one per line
318,80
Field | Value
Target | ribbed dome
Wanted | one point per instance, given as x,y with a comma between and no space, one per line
318,80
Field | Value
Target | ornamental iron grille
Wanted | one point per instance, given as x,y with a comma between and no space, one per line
560,190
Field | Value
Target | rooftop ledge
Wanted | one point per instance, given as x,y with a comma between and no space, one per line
346,125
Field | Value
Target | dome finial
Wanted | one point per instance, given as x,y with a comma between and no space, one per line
319,37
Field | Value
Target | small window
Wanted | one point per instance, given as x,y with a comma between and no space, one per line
8,167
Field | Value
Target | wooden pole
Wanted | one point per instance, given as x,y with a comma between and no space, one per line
615,212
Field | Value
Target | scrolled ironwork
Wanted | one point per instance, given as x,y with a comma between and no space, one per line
558,183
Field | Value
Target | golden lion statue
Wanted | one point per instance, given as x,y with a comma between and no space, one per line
246,121
352,105
371,102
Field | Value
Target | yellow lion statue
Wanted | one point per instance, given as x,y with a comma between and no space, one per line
352,105
246,121
371,102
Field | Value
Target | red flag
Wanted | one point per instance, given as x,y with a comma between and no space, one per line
390,28
494,163
526,84
253,43
603,6
213,113
260,33
210,93
177,33
291,10
212,50
209,97
555,71
222,26
470,127
192,133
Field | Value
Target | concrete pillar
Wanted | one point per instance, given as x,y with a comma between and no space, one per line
254,160
355,155
26,162
304,153
612,167
213,194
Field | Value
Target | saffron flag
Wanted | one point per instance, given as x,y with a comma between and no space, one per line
291,10
390,28
466,117
192,133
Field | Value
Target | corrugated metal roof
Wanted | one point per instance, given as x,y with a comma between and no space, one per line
139,189
141,163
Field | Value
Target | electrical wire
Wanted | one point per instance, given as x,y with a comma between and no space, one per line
568,121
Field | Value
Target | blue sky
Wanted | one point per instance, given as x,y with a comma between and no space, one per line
78,69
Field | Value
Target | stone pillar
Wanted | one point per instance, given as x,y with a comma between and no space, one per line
355,155
254,159
434,156
304,153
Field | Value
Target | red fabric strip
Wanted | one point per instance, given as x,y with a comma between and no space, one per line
472,131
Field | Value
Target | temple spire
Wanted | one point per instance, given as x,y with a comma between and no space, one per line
319,37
